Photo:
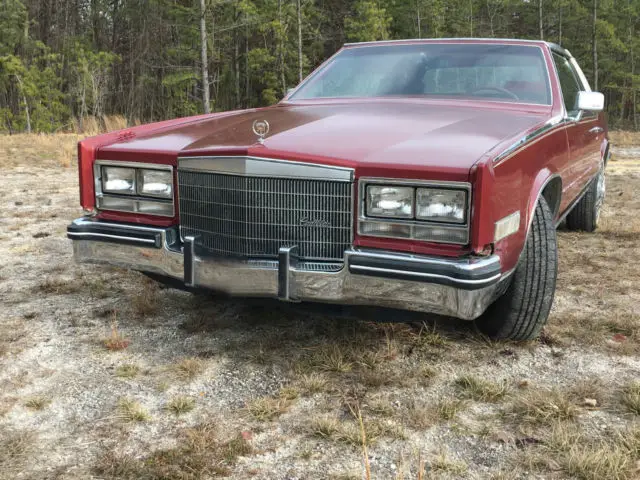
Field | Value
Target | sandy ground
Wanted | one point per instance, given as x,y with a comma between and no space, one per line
206,387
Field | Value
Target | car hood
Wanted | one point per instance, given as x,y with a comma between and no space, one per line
364,135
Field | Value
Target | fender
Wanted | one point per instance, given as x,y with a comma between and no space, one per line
513,247
542,180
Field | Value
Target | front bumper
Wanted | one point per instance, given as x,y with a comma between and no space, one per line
462,288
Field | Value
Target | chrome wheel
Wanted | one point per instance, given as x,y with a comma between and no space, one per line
601,189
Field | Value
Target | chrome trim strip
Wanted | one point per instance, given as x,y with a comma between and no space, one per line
134,199
426,275
444,40
80,235
83,221
528,138
266,167
364,181
466,264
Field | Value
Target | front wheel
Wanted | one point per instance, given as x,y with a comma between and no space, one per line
524,308
585,215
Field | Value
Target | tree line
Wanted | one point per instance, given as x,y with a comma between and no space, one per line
64,60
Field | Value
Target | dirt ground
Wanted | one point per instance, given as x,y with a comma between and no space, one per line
105,375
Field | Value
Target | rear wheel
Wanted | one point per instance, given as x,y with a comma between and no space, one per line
523,310
585,215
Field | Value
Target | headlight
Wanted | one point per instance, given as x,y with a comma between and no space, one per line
155,183
440,205
119,180
134,187
414,210
389,201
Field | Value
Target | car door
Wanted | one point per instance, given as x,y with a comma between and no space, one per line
584,132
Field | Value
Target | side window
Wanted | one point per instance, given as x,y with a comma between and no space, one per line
569,84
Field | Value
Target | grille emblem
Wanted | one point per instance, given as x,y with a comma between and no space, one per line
260,128
314,222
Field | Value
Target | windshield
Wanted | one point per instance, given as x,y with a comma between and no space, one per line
512,73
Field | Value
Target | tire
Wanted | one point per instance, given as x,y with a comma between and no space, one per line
521,312
585,215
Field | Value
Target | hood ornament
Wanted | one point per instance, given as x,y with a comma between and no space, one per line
260,128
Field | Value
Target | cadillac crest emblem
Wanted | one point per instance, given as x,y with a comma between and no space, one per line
260,128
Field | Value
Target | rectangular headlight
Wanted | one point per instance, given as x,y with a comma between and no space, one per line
389,201
155,183
120,180
441,205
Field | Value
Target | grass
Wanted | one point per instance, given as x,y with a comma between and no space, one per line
146,303
481,390
631,398
265,409
312,383
15,448
180,405
448,409
443,464
543,406
127,370
188,368
37,403
583,455
624,138
131,411
200,453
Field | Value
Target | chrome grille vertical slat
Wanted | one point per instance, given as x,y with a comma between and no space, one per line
254,216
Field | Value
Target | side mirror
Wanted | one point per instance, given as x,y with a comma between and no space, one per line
590,101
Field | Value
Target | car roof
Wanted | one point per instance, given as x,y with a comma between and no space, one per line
556,48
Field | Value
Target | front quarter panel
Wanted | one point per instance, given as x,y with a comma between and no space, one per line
518,182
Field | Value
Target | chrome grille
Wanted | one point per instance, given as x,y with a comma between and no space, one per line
252,217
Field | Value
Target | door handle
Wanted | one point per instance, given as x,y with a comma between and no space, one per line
596,130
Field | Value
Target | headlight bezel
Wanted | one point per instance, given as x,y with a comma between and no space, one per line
135,201
414,228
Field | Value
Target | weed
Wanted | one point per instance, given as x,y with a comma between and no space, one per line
180,405
631,398
132,411
540,406
481,390
188,368
127,371
37,403
267,408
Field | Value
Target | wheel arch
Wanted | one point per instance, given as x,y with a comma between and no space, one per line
547,185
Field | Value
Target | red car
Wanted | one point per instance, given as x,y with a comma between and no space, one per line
427,175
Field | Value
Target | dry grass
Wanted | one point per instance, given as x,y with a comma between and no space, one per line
131,411
585,456
355,431
631,398
180,405
199,454
481,390
116,340
312,383
543,407
188,368
15,448
37,403
624,138
127,370
442,463
265,409
147,302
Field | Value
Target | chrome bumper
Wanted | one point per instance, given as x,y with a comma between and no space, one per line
462,288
